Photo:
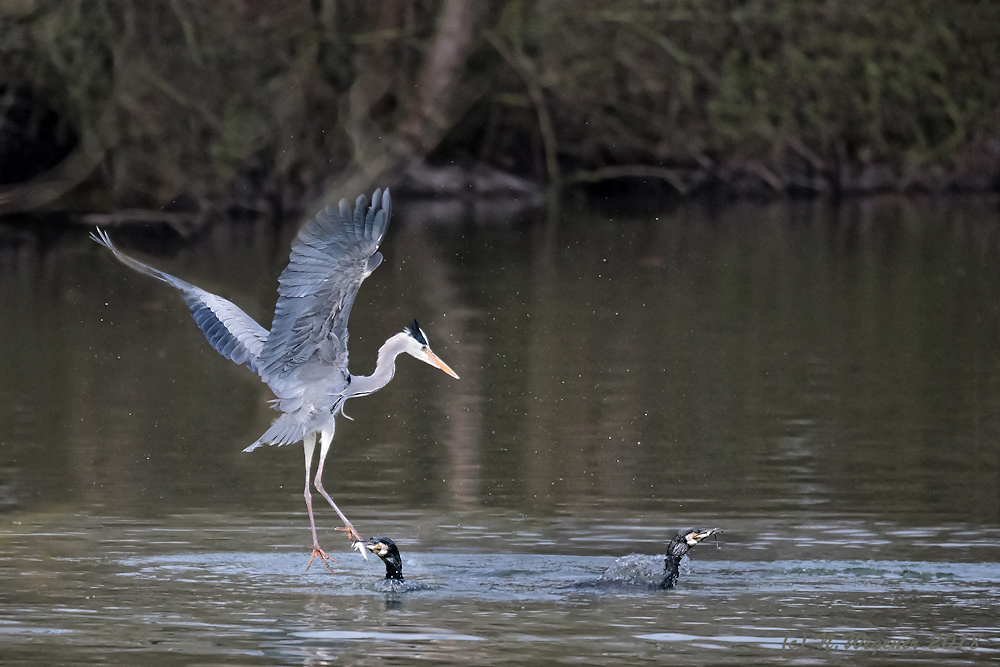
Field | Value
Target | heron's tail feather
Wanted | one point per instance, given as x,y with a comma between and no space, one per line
286,429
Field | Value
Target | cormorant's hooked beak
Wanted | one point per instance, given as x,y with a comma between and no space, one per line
435,360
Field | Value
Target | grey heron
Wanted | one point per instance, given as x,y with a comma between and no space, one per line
303,358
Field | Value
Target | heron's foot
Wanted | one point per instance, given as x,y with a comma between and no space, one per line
352,534
323,556
357,542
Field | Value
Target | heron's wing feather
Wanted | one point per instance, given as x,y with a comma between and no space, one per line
233,333
330,258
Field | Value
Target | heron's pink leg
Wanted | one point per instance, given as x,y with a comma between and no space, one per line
309,443
326,437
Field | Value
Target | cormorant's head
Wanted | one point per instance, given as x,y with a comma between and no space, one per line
418,347
386,549
687,538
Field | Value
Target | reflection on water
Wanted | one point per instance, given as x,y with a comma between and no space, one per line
823,384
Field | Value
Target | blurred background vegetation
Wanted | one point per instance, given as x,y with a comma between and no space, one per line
261,105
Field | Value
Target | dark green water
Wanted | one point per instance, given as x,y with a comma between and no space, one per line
824,384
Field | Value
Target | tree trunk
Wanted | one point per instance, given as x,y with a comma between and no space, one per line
427,115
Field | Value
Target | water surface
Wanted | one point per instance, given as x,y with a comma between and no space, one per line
821,383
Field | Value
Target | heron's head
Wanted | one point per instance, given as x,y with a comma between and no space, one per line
386,549
687,538
416,345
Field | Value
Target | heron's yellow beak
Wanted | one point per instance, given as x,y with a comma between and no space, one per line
434,360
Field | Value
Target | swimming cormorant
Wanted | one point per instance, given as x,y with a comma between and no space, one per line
386,549
655,571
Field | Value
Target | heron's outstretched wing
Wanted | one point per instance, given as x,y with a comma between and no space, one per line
233,333
330,257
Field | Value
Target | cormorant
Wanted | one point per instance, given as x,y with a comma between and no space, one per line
386,549
658,572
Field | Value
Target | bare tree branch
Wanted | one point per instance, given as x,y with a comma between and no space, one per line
523,67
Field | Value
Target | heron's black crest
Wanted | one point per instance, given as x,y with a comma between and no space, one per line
418,335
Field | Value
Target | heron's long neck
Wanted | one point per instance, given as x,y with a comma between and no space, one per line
384,368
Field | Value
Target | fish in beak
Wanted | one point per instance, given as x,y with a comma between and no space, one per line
696,536
360,547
